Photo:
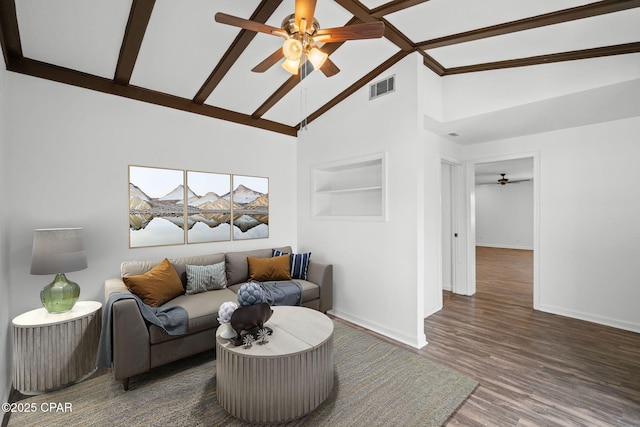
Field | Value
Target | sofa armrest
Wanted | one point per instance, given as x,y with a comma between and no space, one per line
130,335
114,285
322,275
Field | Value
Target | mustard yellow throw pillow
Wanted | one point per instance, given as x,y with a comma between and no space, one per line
264,269
156,286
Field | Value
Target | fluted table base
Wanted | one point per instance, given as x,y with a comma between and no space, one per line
286,378
54,350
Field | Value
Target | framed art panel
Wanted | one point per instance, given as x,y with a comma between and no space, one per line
250,207
156,207
208,211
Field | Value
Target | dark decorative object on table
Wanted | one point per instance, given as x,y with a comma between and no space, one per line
248,318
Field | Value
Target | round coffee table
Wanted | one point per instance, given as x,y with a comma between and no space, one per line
284,379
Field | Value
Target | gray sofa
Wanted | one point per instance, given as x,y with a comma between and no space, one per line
138,346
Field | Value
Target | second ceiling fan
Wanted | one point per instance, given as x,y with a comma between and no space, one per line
504,180
304,38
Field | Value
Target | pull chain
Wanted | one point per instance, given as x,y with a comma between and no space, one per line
303,97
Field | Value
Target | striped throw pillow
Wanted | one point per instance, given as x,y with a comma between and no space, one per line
299,263
202,278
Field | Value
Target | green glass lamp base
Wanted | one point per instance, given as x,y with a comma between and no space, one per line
60,295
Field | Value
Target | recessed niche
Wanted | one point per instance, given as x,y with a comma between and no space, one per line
352,189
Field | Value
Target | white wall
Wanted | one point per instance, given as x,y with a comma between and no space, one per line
589,210
387,275
504,215
471,94
69,151
6,358
377,265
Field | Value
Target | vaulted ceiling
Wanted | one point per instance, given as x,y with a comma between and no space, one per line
172,53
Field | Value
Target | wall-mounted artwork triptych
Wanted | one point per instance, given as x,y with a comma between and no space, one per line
173,207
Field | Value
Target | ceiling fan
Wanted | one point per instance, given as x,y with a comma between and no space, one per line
304,38
504,181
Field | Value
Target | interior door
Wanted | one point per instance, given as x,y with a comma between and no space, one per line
448,232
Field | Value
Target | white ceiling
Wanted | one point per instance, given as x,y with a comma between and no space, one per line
183,44
514,170
603,104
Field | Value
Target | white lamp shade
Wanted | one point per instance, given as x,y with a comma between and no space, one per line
58,250
292,49
317,57
291,66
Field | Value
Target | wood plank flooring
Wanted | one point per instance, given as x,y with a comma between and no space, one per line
534,368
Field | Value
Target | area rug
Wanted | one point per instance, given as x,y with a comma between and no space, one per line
376,384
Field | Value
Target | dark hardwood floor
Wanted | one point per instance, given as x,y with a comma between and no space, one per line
534,368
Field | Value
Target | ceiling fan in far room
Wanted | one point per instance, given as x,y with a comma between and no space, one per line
304,38
504,181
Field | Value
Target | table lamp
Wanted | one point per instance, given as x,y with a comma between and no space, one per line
58,251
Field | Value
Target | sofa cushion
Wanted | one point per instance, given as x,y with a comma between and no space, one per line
202,278
262,269
202,309
131,268
156,286
299,263
310,291
237,266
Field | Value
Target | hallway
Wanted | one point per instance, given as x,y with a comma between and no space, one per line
534,368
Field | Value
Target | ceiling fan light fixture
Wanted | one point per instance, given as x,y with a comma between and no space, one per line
317,57
292,49
292,66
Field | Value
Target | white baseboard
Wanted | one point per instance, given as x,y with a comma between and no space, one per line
432,310
523,248
400,336
588,317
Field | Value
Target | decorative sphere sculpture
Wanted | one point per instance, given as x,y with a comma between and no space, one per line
226,310
250,293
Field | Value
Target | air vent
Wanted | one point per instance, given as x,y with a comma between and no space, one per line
382,87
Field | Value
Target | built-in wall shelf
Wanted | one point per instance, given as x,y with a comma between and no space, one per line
351,189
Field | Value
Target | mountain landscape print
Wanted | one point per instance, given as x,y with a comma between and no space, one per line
156,206
208,213
167,206
250,202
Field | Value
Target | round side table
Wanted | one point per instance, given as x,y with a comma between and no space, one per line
54,350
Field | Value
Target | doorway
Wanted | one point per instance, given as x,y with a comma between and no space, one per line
504,230
452,259
482,180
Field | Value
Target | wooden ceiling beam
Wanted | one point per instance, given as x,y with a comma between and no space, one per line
597,52
357,85
565,15
394,6
242,40
134,34
9,33
391,33
276,96
88,81
432,64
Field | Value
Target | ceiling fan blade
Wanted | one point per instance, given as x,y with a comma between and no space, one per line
258,27
329,68
269,62
369,30
305,9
